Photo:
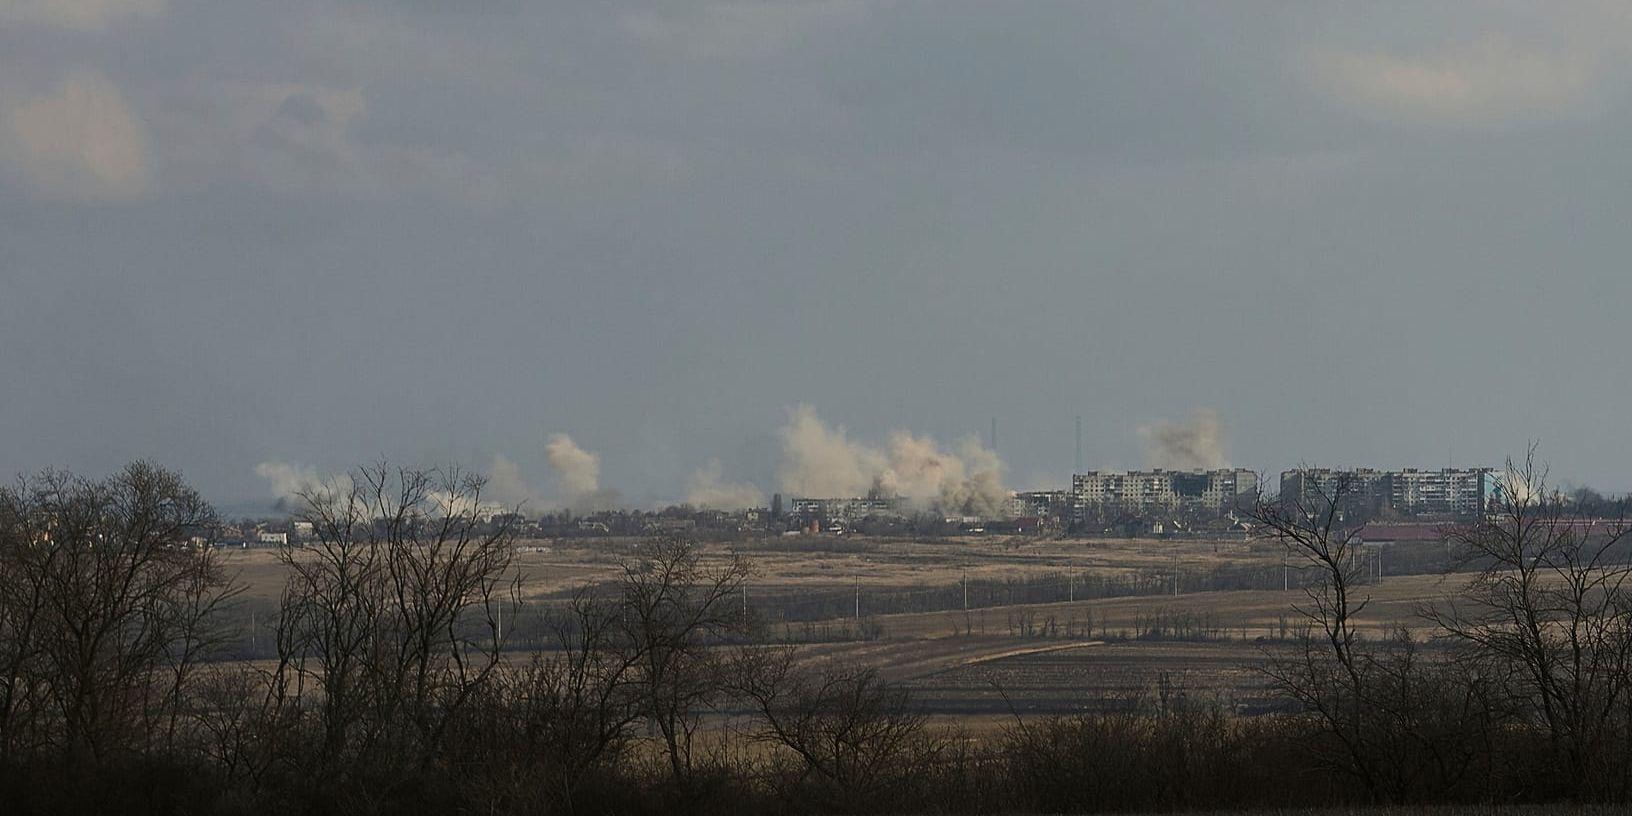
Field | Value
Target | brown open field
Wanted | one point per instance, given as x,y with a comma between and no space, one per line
1252,613
554,566
979,665
984,678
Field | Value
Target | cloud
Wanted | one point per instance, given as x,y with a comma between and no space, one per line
706,489
1490,79
79,140
309,120
304,138
733,31
379,42
79,15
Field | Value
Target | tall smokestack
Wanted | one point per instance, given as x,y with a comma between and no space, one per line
1079,444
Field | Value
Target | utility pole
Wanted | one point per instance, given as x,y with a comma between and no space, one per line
966,589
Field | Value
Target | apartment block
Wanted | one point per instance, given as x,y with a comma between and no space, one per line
1208,491
1459,492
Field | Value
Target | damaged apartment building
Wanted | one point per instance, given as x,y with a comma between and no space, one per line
1146,492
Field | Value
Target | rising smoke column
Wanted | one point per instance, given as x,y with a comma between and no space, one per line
822,461
968,480
293,483
981,491
578,475
819,461
916,467
289,481
577,471
707,490
1194,445
506,485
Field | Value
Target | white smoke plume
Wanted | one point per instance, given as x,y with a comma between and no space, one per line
916,467
292,484
819,461
578,475
1518,486
440,503
506,485
822,462
1194,445
577,471
707,490
288,481
981,490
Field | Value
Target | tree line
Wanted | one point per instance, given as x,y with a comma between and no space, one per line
388,687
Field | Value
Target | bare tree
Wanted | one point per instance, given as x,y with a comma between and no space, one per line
1549,598
577,705
856,738
392,611
109,594
1327,674
672,608
654,651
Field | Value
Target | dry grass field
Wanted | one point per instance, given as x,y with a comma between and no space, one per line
1241,614
556,566
984,663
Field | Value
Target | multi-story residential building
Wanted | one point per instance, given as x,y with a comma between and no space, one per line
1464,492
1226,489
1460,492
1041,504
1139,491
845,511
1360,491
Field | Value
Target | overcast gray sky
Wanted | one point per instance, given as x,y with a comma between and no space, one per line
317,233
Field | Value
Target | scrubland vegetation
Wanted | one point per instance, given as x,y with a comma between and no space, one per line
388,686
